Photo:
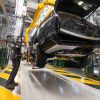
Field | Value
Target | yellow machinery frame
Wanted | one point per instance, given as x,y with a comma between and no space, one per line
38,12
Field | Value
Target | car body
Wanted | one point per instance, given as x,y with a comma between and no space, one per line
66,31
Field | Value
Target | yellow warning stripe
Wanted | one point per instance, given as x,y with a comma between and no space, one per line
6,94
50,67
6,75
75,77
65,72
83,79
10,70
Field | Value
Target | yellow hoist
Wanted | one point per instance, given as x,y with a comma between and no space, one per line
42,11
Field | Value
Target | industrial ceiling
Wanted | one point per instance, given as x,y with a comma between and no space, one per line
7,14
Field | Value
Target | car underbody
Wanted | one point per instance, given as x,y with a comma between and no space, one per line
66,33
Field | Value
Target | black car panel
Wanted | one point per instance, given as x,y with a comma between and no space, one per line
80,8
80,27
66,28
46,31
75,24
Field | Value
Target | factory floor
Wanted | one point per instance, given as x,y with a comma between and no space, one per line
76,75
6,94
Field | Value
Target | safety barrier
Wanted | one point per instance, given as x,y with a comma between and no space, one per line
58,63
3,56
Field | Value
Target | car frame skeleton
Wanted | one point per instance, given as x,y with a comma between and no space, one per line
66,32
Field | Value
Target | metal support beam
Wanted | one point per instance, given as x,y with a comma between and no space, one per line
4,9
29,18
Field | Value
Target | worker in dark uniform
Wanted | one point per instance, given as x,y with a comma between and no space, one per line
32,54
16,58
33,62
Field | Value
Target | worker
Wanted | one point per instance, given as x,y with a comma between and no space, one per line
33,62
16,58
32,54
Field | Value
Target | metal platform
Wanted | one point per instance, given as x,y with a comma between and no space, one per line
43,84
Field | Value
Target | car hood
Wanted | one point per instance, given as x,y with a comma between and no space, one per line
80,8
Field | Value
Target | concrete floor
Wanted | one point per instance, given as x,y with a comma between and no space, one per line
45,84
6,94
